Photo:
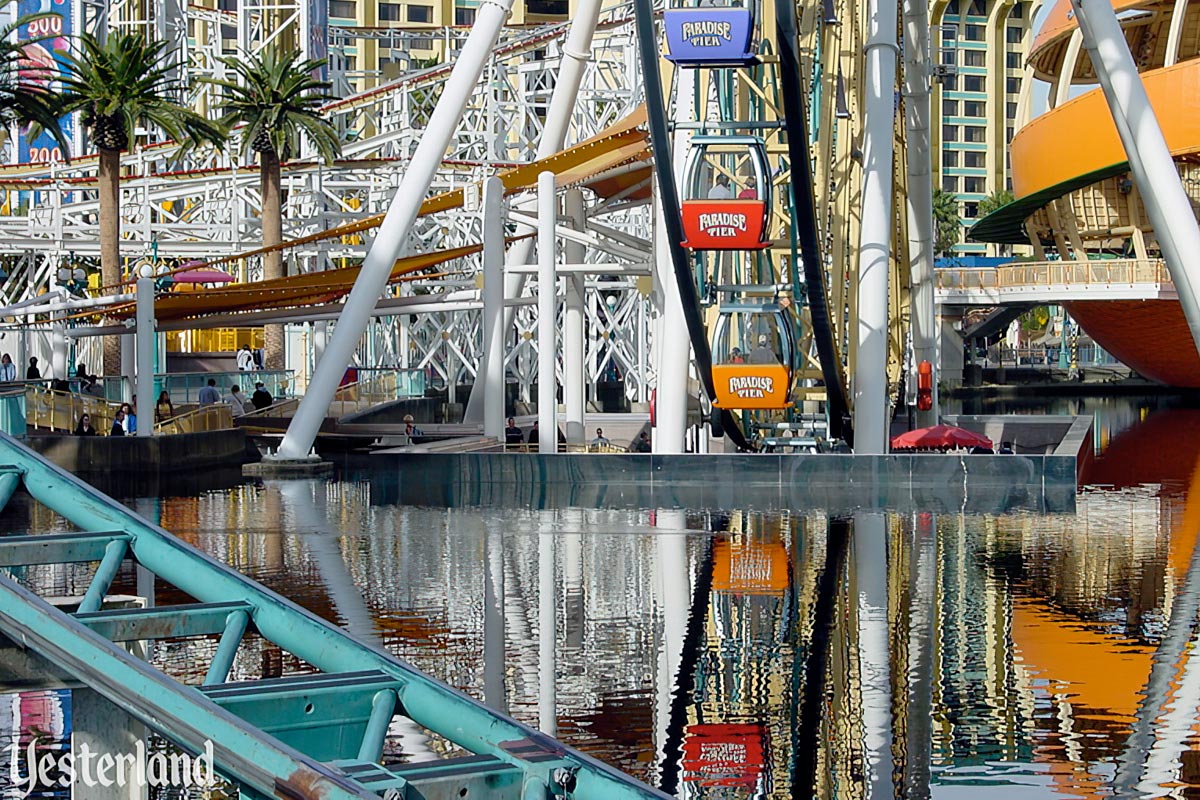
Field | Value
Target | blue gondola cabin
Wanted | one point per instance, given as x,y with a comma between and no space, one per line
710,36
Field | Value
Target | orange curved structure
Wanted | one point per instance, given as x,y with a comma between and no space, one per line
1074,197
1050,150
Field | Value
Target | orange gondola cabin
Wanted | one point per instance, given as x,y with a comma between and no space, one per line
753,351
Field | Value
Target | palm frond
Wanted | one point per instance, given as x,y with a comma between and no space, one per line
278,99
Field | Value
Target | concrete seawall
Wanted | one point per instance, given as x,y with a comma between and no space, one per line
835,483
176,453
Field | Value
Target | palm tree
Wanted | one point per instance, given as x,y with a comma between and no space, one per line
947,229
25,95
276,98
118,85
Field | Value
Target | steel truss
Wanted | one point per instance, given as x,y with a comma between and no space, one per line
207,204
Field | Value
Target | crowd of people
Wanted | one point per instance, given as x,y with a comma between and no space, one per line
125,417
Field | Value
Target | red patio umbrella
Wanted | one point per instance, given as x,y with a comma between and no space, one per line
939,436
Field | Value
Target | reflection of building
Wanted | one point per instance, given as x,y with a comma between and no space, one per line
976,110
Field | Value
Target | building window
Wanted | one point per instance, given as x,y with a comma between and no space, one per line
1010,110
1008,134
1014,34
464,16
1018,11
1012,85
950,158
973,33
949,108
949,133
970,210
389,12
973,185
974,58
949,183
973,83
1012,60
973,108
420,13
342,9
973,159
974,133
553,8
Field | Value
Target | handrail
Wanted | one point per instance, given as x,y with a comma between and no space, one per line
1105,272
353,397
215,417
57,410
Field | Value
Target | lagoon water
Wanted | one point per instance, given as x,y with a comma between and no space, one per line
734,653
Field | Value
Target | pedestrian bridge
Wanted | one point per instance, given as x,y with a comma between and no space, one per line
1038,282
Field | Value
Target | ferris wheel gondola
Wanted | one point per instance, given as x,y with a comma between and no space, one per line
711,34
754,352
726,193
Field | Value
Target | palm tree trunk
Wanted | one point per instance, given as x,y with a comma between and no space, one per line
272,234
110,244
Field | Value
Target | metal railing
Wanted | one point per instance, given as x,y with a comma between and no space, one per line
216,417
375,386
54,410
184,387
1105,272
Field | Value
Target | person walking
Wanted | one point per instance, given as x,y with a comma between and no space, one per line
8,370
245,359
163,409
512,434
118,426
84,427
236,400
128,419
261,397
33,373
600,441
209,395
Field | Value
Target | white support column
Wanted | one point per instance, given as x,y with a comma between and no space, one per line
573,351
128,363
672,347
871,576
547,324
673,351
1154,171
547,627
58,352
576,52
397,223
491,382
920,195
320,338
145,338
875,240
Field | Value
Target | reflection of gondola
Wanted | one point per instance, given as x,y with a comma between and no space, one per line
753,355
727,194
708,35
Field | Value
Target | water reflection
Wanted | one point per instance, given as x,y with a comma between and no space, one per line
740,654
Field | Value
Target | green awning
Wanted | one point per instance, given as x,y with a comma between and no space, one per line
1006,225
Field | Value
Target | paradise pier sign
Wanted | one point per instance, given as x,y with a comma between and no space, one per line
710,37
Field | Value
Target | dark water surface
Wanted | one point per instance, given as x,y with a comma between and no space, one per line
730,653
